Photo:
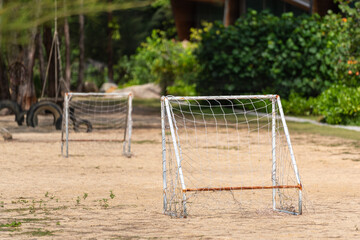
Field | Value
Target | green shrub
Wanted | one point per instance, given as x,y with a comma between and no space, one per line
265,53
299,106
167,62
348,29
340,105
122,71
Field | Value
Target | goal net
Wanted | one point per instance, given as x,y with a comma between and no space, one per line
94,123
227,154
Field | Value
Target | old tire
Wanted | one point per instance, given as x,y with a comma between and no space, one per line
50,107
79,122
15,108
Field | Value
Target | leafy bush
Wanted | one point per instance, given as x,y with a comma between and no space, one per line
123,71
348,29
167,62
340,105
299,106
263,53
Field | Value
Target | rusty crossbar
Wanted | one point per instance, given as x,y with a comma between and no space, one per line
92,140
240,188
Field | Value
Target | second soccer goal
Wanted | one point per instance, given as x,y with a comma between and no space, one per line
227,154
97,124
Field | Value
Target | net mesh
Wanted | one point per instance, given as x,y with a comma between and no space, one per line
97,122
225,154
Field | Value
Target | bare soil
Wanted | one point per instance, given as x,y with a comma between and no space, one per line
104,195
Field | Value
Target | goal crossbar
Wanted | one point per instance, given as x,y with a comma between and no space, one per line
92,140
231,97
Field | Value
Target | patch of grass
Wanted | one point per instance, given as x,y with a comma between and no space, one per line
145,141
314,118
16,210
104,203
39,233
149,103
10,227
31,209
61,208
12,224
323,130
112,195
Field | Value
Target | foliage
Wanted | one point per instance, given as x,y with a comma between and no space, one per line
166,62
95,72
130,28
299,106
12,224
180,88
17,17
123,72
348,66
263,53
340,105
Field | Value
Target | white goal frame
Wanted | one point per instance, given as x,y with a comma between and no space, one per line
66,115
167,120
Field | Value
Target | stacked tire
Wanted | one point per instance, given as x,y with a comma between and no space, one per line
33,112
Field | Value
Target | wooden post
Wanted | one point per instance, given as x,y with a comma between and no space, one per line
231,12
184,15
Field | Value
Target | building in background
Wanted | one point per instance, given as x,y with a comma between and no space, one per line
189,13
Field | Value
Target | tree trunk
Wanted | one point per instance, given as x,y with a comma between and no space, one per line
82,54
67,55
4,81
110,47
40,56
17,77
27,91
48,40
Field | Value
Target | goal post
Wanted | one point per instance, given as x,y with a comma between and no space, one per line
96,121
219,151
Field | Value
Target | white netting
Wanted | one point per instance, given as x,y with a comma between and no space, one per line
94,123
225,150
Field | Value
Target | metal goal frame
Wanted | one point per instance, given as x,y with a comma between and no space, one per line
128,124
275,99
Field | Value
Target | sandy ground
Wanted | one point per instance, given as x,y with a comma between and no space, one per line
104,195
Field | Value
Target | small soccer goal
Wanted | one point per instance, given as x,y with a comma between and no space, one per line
227,154
96,123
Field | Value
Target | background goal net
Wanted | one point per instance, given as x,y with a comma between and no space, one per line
227,153
96,122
